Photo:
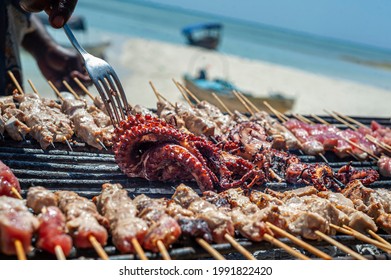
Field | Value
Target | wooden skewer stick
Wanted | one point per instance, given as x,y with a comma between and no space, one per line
163,250
71,90
275,112
59,253
244,103
350,119
249,102
339,245
379,238
139,250
239,247
159,95
320,119
83,88
222,104
98,248
361,148
16,193
341,120
16,83
377,143
303,119
56,91
33,87
187,91
360,236
368,136
20,250
184,94
300,242
212,251
285,247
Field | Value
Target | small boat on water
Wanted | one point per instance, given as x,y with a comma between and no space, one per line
203,88
205,35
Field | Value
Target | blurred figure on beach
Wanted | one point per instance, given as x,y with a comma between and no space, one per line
20,28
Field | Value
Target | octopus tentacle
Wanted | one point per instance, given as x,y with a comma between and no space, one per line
160,158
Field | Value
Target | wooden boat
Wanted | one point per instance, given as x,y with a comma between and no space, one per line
203,90
205,35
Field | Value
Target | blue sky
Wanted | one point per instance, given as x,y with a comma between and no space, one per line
362,21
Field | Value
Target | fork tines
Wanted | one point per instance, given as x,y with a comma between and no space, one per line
113,97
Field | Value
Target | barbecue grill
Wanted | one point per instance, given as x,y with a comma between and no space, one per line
85,169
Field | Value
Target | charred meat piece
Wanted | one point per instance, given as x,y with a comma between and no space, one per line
218,222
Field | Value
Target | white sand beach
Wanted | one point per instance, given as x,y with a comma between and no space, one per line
138,61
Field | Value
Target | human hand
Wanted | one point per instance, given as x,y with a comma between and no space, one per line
59,11
58,64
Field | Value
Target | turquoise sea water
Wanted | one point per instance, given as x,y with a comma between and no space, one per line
319,55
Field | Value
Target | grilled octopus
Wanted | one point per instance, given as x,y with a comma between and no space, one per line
150,148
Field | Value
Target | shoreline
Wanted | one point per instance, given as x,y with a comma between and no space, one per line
138,61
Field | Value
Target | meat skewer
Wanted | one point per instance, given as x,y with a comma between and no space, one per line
52,235
85,126
83,221
17,226
163,230
127,230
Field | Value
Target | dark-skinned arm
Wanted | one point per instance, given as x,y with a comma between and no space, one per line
59,11
55,62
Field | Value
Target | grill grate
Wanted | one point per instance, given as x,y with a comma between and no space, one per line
84,170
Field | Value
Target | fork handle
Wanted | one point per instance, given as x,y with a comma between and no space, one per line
74,42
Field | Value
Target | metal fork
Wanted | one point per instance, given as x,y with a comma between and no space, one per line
105,80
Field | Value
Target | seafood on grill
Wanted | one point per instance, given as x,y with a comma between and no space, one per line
150,148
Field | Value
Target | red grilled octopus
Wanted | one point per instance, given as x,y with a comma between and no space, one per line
150,148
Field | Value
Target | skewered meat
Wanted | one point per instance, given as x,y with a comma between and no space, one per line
138,109
167,112
16,223
375,203
39,198
250,220
8,181
85,126
195,120
191,226
357,219
218,222
82,219
273,128
117,207
51,231
15,127
222,121
161,226
384,165
47,125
